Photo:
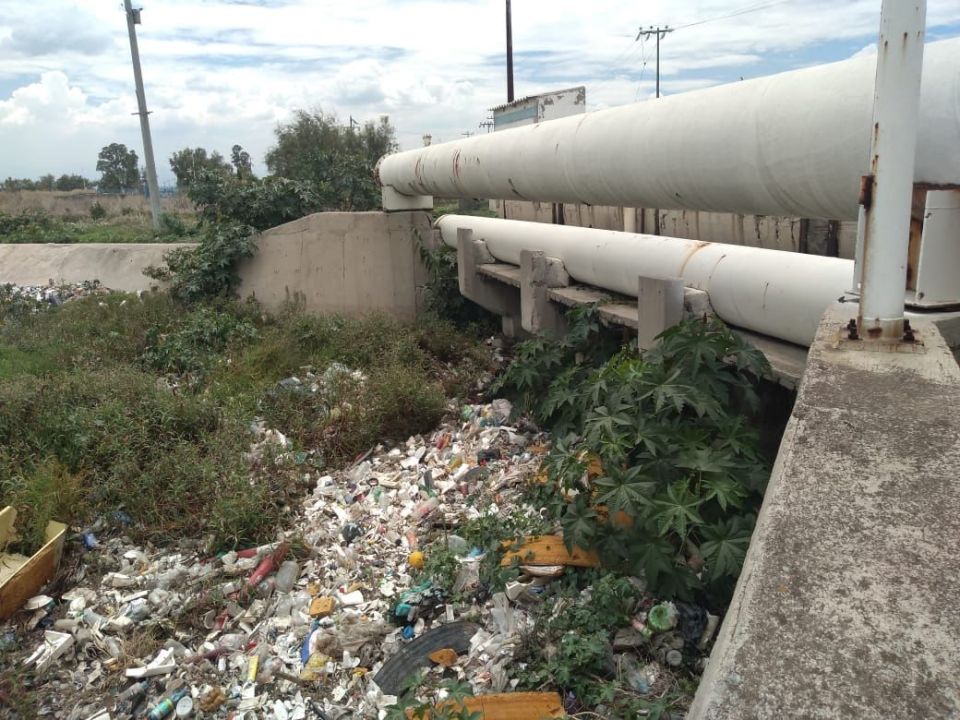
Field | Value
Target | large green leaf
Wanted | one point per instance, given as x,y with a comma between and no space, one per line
626,491
677,510
579,524
725,545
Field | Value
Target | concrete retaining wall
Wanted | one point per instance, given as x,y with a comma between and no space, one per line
347,263
118,266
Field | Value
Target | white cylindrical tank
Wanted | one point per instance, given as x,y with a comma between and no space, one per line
790,144
777,293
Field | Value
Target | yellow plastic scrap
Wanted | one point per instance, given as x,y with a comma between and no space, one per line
508,706
315,667
549,550
321,607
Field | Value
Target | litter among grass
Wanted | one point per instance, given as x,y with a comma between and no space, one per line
142,408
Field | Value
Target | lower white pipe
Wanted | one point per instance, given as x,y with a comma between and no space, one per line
773,292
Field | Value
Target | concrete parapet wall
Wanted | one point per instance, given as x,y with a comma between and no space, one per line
118,266
348,263
339,262
847,603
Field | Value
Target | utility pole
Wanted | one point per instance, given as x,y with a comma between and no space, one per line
133,18
509,54
659,32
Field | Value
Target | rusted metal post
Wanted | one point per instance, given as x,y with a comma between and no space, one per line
887,192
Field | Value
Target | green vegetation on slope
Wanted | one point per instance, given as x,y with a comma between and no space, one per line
37,226
145,405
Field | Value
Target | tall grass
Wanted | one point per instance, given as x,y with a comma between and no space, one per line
145,405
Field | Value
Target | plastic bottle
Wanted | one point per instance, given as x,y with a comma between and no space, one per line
129,698
166,706
426,507
287,576
93,619
267,565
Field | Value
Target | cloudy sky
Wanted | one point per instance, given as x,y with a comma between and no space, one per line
219,72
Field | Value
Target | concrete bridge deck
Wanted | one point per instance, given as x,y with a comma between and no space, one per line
849,601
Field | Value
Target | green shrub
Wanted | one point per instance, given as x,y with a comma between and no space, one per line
442,298
656,463
97,211
196,342
167,459
261,204
85,417
208,270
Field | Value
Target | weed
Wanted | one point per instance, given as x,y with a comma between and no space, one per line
196,342
569,644
36,226
87,421
209,269
442,296
656,465
426,700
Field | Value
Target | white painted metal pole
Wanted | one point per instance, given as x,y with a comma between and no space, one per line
888,189
144,118
793,144
777,293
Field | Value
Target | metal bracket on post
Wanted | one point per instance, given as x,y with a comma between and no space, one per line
659,306
538,273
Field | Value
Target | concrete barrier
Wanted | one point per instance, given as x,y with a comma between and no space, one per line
847,603
348,263
118,266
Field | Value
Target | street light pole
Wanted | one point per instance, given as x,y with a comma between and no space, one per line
133,18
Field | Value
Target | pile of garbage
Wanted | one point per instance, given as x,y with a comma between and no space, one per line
330,619
35,298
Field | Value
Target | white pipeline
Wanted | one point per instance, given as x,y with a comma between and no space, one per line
791,144
773,292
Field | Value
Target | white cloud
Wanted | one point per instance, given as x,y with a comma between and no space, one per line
219,72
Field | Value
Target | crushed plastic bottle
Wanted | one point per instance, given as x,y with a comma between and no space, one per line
287,576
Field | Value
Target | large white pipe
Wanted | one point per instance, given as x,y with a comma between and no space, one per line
791,144
886,215
777,293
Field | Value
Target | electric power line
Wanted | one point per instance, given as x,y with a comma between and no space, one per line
737,13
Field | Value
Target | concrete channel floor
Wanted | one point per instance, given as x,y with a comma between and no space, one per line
849,602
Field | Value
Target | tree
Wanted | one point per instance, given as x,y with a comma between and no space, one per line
12,184
119,169
315,147
187,164
71,182
241,163
46,182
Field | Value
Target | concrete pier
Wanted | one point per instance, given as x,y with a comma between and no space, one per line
849,601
